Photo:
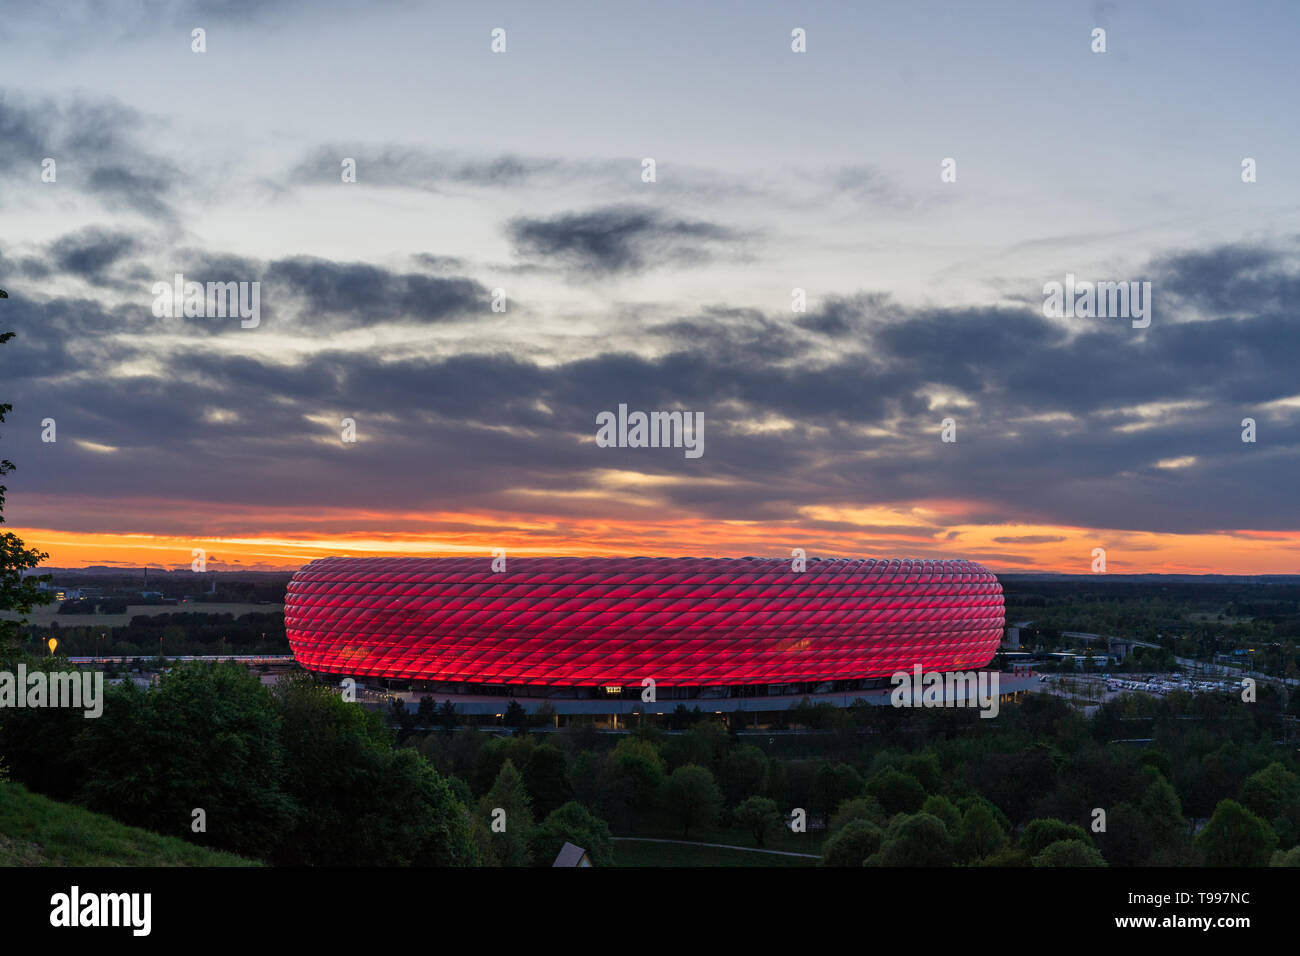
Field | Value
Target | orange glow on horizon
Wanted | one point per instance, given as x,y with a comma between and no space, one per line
999,547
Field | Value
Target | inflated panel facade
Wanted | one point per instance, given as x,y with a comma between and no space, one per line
603,621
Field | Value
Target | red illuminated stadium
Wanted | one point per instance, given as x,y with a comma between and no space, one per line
684,622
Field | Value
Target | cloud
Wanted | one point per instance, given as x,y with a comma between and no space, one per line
90,252
94,143
615,239
364,294
1057,423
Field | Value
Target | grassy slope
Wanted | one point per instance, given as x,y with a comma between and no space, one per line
37,831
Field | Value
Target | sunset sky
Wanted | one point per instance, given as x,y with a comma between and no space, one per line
775,170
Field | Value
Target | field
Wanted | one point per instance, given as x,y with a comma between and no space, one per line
42,616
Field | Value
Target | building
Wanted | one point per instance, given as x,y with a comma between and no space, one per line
571,855
1014,631
605,629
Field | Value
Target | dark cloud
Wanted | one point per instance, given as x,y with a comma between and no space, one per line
1029,539
396,166
1054,423
95,144
88,253
617,239
366,294
1230,280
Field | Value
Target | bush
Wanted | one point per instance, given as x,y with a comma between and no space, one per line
851,846
1069,853
1040,834
572,823
897,792
917,840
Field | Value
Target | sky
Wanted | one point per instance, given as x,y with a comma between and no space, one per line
774,170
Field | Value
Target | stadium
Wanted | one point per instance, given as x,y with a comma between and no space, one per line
587,633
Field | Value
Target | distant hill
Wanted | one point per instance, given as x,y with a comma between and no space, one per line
38,831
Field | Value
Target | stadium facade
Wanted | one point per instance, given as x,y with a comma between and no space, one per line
600,627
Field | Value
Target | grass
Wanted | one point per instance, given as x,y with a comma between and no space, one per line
638,853
38,831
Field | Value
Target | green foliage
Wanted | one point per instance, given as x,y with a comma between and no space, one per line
859,808
758,815
917,840
504,823
979,834
1040,834
1007,856
744,773
945,810
690,795
546,776
1235,837
1069,853
517,717
852,844
836,782
209,737
897,792
360,801
925,768
1274,794
495,752
633,777
572,823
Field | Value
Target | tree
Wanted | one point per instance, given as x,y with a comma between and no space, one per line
426,714
1274,794
517,717
447,716
362,802
917,840
979,834
208,737
758,815
1069,853
572,823
945,810
1040,834
546,777
490,757
859,808
505,820
852,845
633,777
744,773
897,792
692,797
836,782
17,593
1235,837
